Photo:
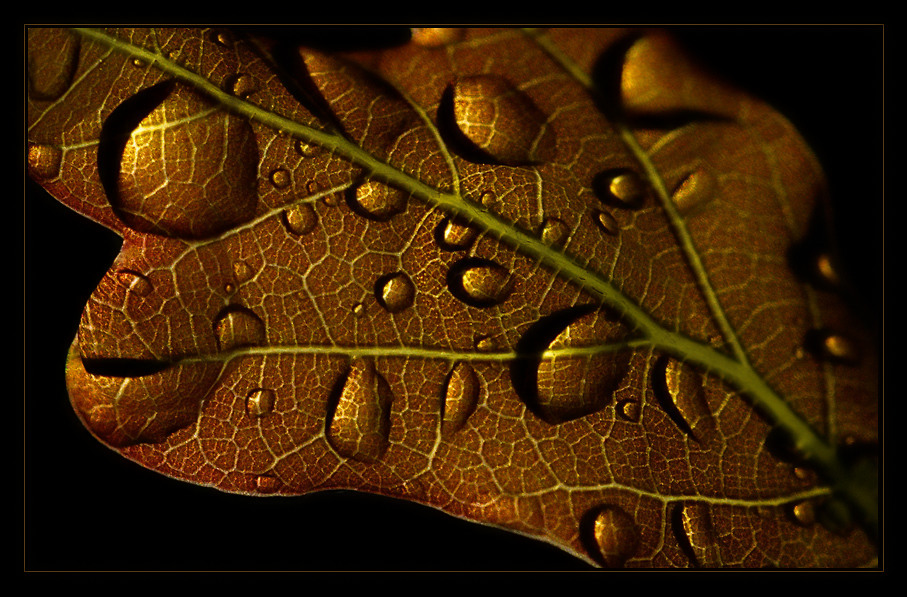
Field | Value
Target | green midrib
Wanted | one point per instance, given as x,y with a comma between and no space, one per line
736,372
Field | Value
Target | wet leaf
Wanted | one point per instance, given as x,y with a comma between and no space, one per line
560,291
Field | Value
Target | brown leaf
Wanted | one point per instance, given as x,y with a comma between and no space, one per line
321,331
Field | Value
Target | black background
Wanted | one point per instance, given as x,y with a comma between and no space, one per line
87,508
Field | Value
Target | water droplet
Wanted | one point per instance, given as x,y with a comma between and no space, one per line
267,484
53,56
243,85
434,37
613,536
359,423
501,121
332,200
488,199
485,343
138,62
833,346
606,222
803,513
695,192
693,528
622,187
135,282
378,201
453,235
300,219
222,38
260,402
281,178
554,232
241,271
461,395
395,292
358,309
306,149
804,474
629,410
680,392
44,161
479,282
571,386
229,288
826,269
238,326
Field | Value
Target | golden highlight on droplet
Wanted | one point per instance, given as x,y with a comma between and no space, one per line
395,292
606,222
260,402
280,178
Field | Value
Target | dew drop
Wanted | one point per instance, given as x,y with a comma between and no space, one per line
488,199
267,484
395,292
833,346
358,309
260,402
693,528
229,288
453,235
479,282
606,222
300,219
378,201
487,343
238,326
680,392
612,535
280,178
695,192
138,62
622,187
241,271
629,410
359,422
135,282
501,121
554,232
222,38
461,395
803,513
243,85
826,269
804,474
306,149
53,56
44,161
434,37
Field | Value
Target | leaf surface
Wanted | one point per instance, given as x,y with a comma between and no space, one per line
549,291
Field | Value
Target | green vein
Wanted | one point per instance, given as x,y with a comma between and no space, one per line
733,370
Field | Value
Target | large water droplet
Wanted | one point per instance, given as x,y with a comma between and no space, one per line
53,55
135,282
300,219
622,187
562,387
461,395
378,201
500,121
359,422
260,402
453,235
44,161
695,192
680,392
612,535
479,282
238,326
395,292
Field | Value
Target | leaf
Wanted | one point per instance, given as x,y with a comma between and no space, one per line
329,322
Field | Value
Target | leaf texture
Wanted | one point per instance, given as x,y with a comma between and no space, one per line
550,281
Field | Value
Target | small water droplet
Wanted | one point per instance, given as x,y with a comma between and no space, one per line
395,292
358,309
359,423
696,191
804,474
554,232
138,62
135,282
306,149
480,282
434,37
260,402
629,410
501,121
614,536
238,326
606,222
222,38
241,271
378,201
267,484
229,288
485,343
243,85
280,178
692,525
453,235
300,219
53,58
461,395
833,346
621,187
680,392
826,269
44,161
488,199
803,513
